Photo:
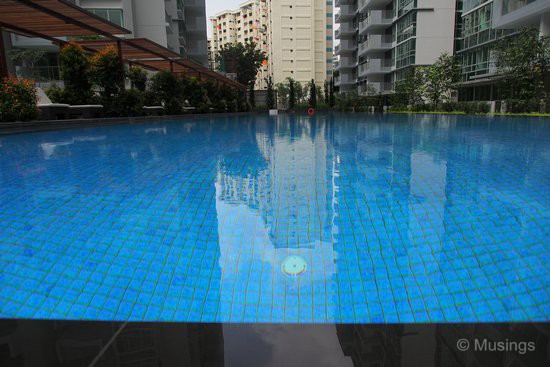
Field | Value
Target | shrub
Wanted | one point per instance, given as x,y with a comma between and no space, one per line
130,103
55,93
17,100
108,74
166,90
75,72
138,78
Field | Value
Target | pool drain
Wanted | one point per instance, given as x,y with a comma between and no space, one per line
293,265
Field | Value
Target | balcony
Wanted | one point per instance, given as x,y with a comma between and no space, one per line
345,79
375,67
346,12
372,88
345,47
346,30
347,62
339,3
375,43
377,20
370,4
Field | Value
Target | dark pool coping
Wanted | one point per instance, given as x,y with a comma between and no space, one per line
7,128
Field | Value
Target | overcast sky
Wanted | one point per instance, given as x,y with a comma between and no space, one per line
215,6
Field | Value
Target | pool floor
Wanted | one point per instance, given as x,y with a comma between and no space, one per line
347,218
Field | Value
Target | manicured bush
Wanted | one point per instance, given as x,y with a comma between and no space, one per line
75,72
17,100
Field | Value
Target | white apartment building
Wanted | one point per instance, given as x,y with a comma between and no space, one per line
300,40
522,13
381,39
248,23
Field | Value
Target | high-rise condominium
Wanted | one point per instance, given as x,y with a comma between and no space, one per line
248,23
300,40
295,35
381,39
179,25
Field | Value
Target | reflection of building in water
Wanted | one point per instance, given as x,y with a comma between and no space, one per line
371,345
278,202
71,343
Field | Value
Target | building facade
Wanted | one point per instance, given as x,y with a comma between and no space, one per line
248,23
381,39
300,40
522,13
179,25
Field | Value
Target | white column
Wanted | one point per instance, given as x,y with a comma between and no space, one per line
544,28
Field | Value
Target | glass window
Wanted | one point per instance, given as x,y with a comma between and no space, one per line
112,15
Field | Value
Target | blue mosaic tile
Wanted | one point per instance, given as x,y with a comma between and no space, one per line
398,219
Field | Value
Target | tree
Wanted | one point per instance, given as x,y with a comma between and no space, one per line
332,98
326,94
75,71
138,78
282,94
312,94
409,91
270,98
440,78
291,94
108,74
524,62
245,60
251,95
300,91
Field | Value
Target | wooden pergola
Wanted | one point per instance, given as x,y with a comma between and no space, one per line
50,19
151,55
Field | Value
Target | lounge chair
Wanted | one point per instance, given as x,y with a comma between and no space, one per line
153,110
49,110
59,111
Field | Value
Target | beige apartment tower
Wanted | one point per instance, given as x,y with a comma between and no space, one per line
300,40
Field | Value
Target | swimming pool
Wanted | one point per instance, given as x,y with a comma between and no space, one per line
335,218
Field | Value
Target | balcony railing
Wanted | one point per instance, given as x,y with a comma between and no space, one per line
346,12
346,30
376,19
345,47
371,88
366,4
375,66
376,43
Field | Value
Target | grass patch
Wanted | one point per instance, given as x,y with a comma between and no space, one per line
533,114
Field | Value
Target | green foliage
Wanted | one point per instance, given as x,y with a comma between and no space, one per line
282,94
243,59
17,100
270,98
440,78
312,94
166,90
326,94
55,93
75,72
409,91
332,98
130,103
291,93
108,74
138,78
251,95
524,62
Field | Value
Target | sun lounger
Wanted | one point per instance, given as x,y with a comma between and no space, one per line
153,110
60,111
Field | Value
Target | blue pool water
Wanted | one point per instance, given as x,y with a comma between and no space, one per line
336,218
